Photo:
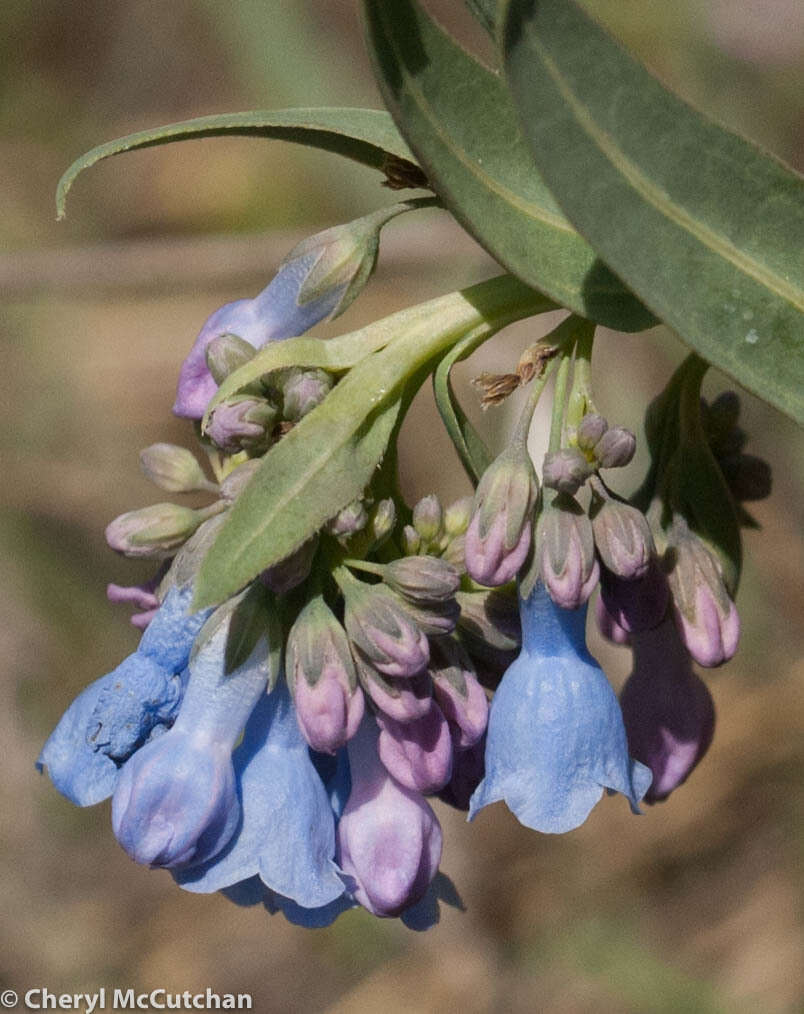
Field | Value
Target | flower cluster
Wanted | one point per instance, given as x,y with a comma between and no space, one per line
283,748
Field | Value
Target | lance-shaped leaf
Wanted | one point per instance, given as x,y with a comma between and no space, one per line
458,118
329,457
367,136
703,225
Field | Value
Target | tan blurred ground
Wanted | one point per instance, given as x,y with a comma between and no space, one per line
693,907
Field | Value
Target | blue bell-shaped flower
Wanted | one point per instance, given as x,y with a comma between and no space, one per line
118,713
556,737
287,831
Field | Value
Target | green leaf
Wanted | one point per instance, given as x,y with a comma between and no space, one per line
459,120
475,456
367,136
704,226
330,456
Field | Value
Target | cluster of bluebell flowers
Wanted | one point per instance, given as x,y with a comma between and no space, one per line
285,747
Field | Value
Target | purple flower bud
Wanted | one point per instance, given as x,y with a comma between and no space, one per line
608,626
566,552
427,518
322,677
381,627
468,769
226,354
639,604
389,840
590,429
436,618
499,535
154,532
349,519
668,711
402,699
622,537
458,692
290,572
706,618
615,448
565,470
242,423
302,390
422,579
418,753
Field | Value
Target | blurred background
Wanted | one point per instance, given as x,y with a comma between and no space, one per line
694,906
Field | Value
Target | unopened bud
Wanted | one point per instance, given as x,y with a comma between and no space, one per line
422,579
411,540
434,618
468,769
242,423
565,550
427,518
565,470
154,532
227,353
322,678
290,572
417,753
458,692
457,516
383,521
705,616
499,535
350,519
380,626
173,469
491,619
590,429
615,448
608,626
622,537
302,390
402,699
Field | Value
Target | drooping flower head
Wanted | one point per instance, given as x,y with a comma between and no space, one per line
556,738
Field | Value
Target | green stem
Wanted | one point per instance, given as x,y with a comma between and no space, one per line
366,565
559,400
522,428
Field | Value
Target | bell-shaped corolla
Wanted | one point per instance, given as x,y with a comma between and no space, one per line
556,737
286,835
176,800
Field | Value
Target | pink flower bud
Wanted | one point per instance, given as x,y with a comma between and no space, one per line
419,753
566,553
458,692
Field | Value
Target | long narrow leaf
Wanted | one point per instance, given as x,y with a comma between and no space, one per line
703,225
468,443
367,136
458,118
